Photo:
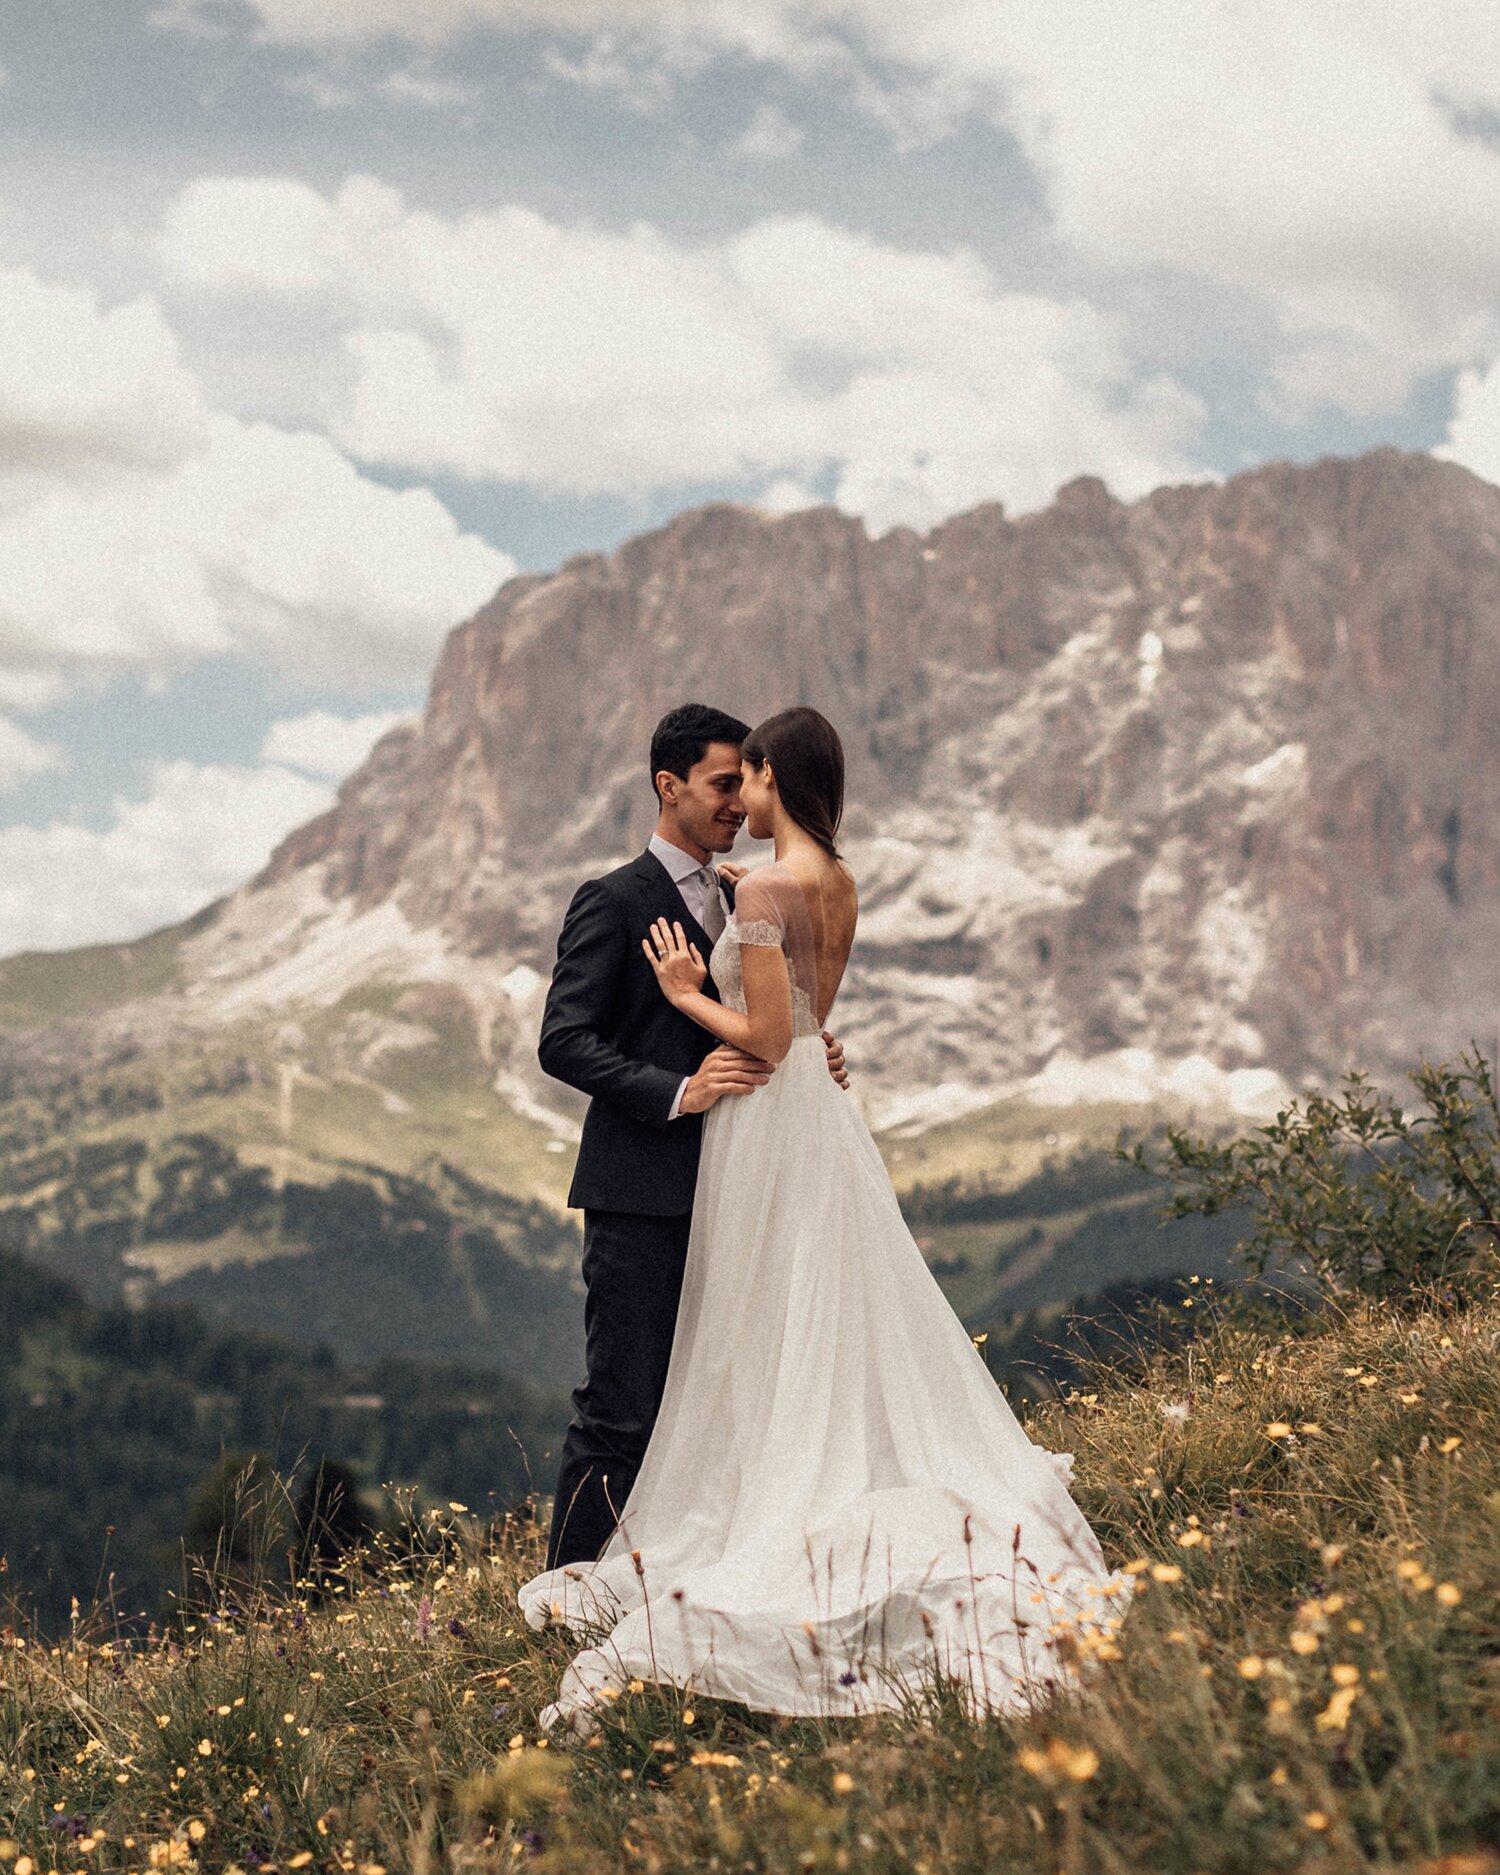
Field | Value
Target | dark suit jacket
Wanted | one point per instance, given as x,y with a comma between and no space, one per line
608,1031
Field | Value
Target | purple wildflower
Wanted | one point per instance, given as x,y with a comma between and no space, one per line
424,1618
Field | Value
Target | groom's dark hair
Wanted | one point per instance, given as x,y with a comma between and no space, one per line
682,737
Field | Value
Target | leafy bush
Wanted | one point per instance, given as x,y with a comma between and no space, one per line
1369,1198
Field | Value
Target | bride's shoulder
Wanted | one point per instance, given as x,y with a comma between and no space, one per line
841,876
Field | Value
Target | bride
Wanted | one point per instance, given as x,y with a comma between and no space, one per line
837,1504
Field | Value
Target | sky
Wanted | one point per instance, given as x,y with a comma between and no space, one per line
321,318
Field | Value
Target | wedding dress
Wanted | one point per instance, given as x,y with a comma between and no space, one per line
837,1503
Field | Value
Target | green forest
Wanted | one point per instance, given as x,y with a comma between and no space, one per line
114,1420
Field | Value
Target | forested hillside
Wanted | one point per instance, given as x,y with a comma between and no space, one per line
113,1419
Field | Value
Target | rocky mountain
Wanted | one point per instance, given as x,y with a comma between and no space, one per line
1199,791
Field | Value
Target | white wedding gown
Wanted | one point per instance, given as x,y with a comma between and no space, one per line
837,1503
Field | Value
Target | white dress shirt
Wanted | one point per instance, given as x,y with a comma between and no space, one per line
687,875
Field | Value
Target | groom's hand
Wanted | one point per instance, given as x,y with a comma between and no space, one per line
726,1071
836,1066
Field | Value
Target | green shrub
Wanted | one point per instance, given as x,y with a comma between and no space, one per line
1369,1198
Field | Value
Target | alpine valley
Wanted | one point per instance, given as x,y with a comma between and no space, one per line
1161,809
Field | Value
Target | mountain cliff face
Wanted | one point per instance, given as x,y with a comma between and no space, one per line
1213,777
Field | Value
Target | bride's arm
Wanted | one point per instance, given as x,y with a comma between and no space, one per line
765,1029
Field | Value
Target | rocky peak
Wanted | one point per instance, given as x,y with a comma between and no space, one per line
1210,774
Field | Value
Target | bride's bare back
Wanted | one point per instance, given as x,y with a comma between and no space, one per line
832,900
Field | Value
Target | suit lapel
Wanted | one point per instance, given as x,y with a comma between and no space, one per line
660,893
659,898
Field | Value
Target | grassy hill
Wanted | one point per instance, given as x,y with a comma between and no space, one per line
1306,1678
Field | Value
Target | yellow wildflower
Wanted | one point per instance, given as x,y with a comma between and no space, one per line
1076,1763
1335,1715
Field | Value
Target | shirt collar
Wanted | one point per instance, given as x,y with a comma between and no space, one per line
679,865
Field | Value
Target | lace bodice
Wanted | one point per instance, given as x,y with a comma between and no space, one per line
769,909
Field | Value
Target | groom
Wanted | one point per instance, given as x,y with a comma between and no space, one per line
651,1074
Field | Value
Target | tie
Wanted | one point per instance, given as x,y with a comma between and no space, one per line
713,905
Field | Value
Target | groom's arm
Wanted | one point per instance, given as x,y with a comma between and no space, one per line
592,951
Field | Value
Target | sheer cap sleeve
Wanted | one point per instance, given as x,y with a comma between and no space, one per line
769,908
760,908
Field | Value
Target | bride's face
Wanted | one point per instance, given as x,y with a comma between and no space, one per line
757,792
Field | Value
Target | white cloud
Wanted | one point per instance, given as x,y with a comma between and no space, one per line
328,94
323,744
22,756
86,393
505,346
26,690
1294,150
139,527
786,497
269,232
603,66
426,90
199,832
671,25
406,85
770,135
1473,437
1305,150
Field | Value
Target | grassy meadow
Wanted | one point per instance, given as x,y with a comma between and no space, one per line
1308,1499
1308,1677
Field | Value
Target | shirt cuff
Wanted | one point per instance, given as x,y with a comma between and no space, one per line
675,1111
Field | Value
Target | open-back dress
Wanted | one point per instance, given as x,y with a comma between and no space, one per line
837,1502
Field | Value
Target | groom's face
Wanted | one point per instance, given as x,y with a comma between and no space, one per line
708,802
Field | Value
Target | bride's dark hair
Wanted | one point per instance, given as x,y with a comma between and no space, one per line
807,760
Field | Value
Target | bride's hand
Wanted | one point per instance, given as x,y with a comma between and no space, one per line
679,969
731,870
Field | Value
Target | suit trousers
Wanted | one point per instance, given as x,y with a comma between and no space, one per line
632,1272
